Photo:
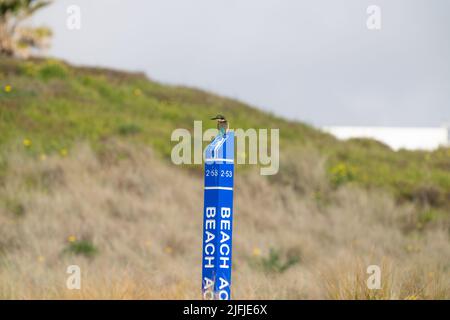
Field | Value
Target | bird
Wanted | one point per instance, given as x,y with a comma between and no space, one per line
222,124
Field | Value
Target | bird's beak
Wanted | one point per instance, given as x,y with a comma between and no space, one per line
215,118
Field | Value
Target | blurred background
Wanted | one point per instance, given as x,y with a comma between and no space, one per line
315,63
92,90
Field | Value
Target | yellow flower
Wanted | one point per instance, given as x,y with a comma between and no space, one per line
71,238
168,249
63,152
41,259
27,142
342,173
8,88
256,252
137,92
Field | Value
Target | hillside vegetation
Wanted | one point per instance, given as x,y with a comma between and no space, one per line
86,178
54,105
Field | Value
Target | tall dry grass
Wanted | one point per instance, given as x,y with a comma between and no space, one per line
140,220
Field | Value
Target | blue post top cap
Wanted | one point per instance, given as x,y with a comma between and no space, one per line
222,147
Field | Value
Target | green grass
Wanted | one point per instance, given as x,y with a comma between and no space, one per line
82,247
54,105
275,263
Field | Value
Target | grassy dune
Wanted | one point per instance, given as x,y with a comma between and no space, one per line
136,236
85,179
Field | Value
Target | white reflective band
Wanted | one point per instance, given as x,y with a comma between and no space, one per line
218,188
219,159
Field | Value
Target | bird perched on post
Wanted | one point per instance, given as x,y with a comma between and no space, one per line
222,124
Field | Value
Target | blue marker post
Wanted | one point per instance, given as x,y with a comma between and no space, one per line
218,218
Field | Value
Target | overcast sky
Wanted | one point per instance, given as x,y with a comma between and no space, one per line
314,61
